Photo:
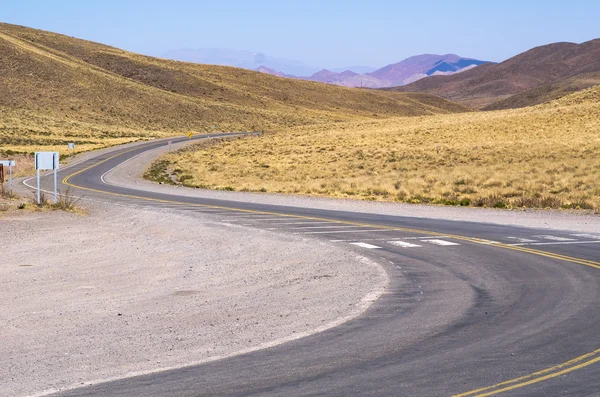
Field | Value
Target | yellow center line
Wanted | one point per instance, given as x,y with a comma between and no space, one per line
512,384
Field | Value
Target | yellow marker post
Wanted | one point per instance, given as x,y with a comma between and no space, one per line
190,135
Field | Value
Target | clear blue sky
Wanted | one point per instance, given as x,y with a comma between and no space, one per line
326,33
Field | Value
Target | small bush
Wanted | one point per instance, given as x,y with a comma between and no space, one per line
66,201
43,199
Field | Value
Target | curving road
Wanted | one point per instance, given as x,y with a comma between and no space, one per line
472,309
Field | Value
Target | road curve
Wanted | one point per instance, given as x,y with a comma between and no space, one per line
473,309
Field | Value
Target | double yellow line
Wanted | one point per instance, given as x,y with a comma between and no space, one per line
548,373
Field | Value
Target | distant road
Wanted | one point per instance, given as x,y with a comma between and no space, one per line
473,309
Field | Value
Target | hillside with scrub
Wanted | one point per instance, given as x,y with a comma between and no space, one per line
58,89
547,156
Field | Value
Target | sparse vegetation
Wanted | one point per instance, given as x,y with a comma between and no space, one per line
57,89
544,157
67,201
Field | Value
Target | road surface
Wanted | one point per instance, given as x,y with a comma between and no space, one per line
473,309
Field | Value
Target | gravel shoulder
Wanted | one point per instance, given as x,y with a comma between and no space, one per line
130,174
117,293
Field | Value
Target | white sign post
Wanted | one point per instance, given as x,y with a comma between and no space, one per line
72,147
46,161
9,164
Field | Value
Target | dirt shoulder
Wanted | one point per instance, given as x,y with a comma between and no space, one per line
130,174
125,291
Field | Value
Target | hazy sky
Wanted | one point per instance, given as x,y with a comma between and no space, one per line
322,33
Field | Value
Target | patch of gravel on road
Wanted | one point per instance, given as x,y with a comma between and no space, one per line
130,174
126,291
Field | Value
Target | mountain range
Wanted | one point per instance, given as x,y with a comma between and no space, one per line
398,74
401,73
538,75
253,61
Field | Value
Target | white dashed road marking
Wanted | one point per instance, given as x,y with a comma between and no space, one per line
522,240
585,235
325,227
554,238
349,231
252,217
404,244
440,242
383,239
365,245
300,223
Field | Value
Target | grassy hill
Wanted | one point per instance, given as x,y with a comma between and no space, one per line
542,156
57,89
566,64
548,92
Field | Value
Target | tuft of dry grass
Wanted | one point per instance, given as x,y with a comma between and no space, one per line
546,156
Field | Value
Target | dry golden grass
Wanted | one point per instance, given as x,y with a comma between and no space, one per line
544,156
57,89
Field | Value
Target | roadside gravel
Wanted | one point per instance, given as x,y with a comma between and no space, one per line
126,291
130,174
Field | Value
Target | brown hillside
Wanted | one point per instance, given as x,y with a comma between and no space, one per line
490,83
53,84
548,92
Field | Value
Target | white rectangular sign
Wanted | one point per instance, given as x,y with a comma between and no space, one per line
8,163
71,145
47,160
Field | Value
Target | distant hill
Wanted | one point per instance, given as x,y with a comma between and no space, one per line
253,61
355,69
420,66
241,59
404,72
490,83
54,84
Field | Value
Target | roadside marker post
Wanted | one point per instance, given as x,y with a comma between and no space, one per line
47,161
72,147
170,143
10,164
190,135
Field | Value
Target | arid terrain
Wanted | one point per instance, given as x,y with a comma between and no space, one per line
543,156
57,89
319,139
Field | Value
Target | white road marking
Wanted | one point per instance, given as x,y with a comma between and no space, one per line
365,245
554,238
404,244
350,231
385,239
559,243
439,242
301,223
522,240
251,217
585,235
324,227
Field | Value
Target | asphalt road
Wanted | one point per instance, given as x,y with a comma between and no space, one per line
473,309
